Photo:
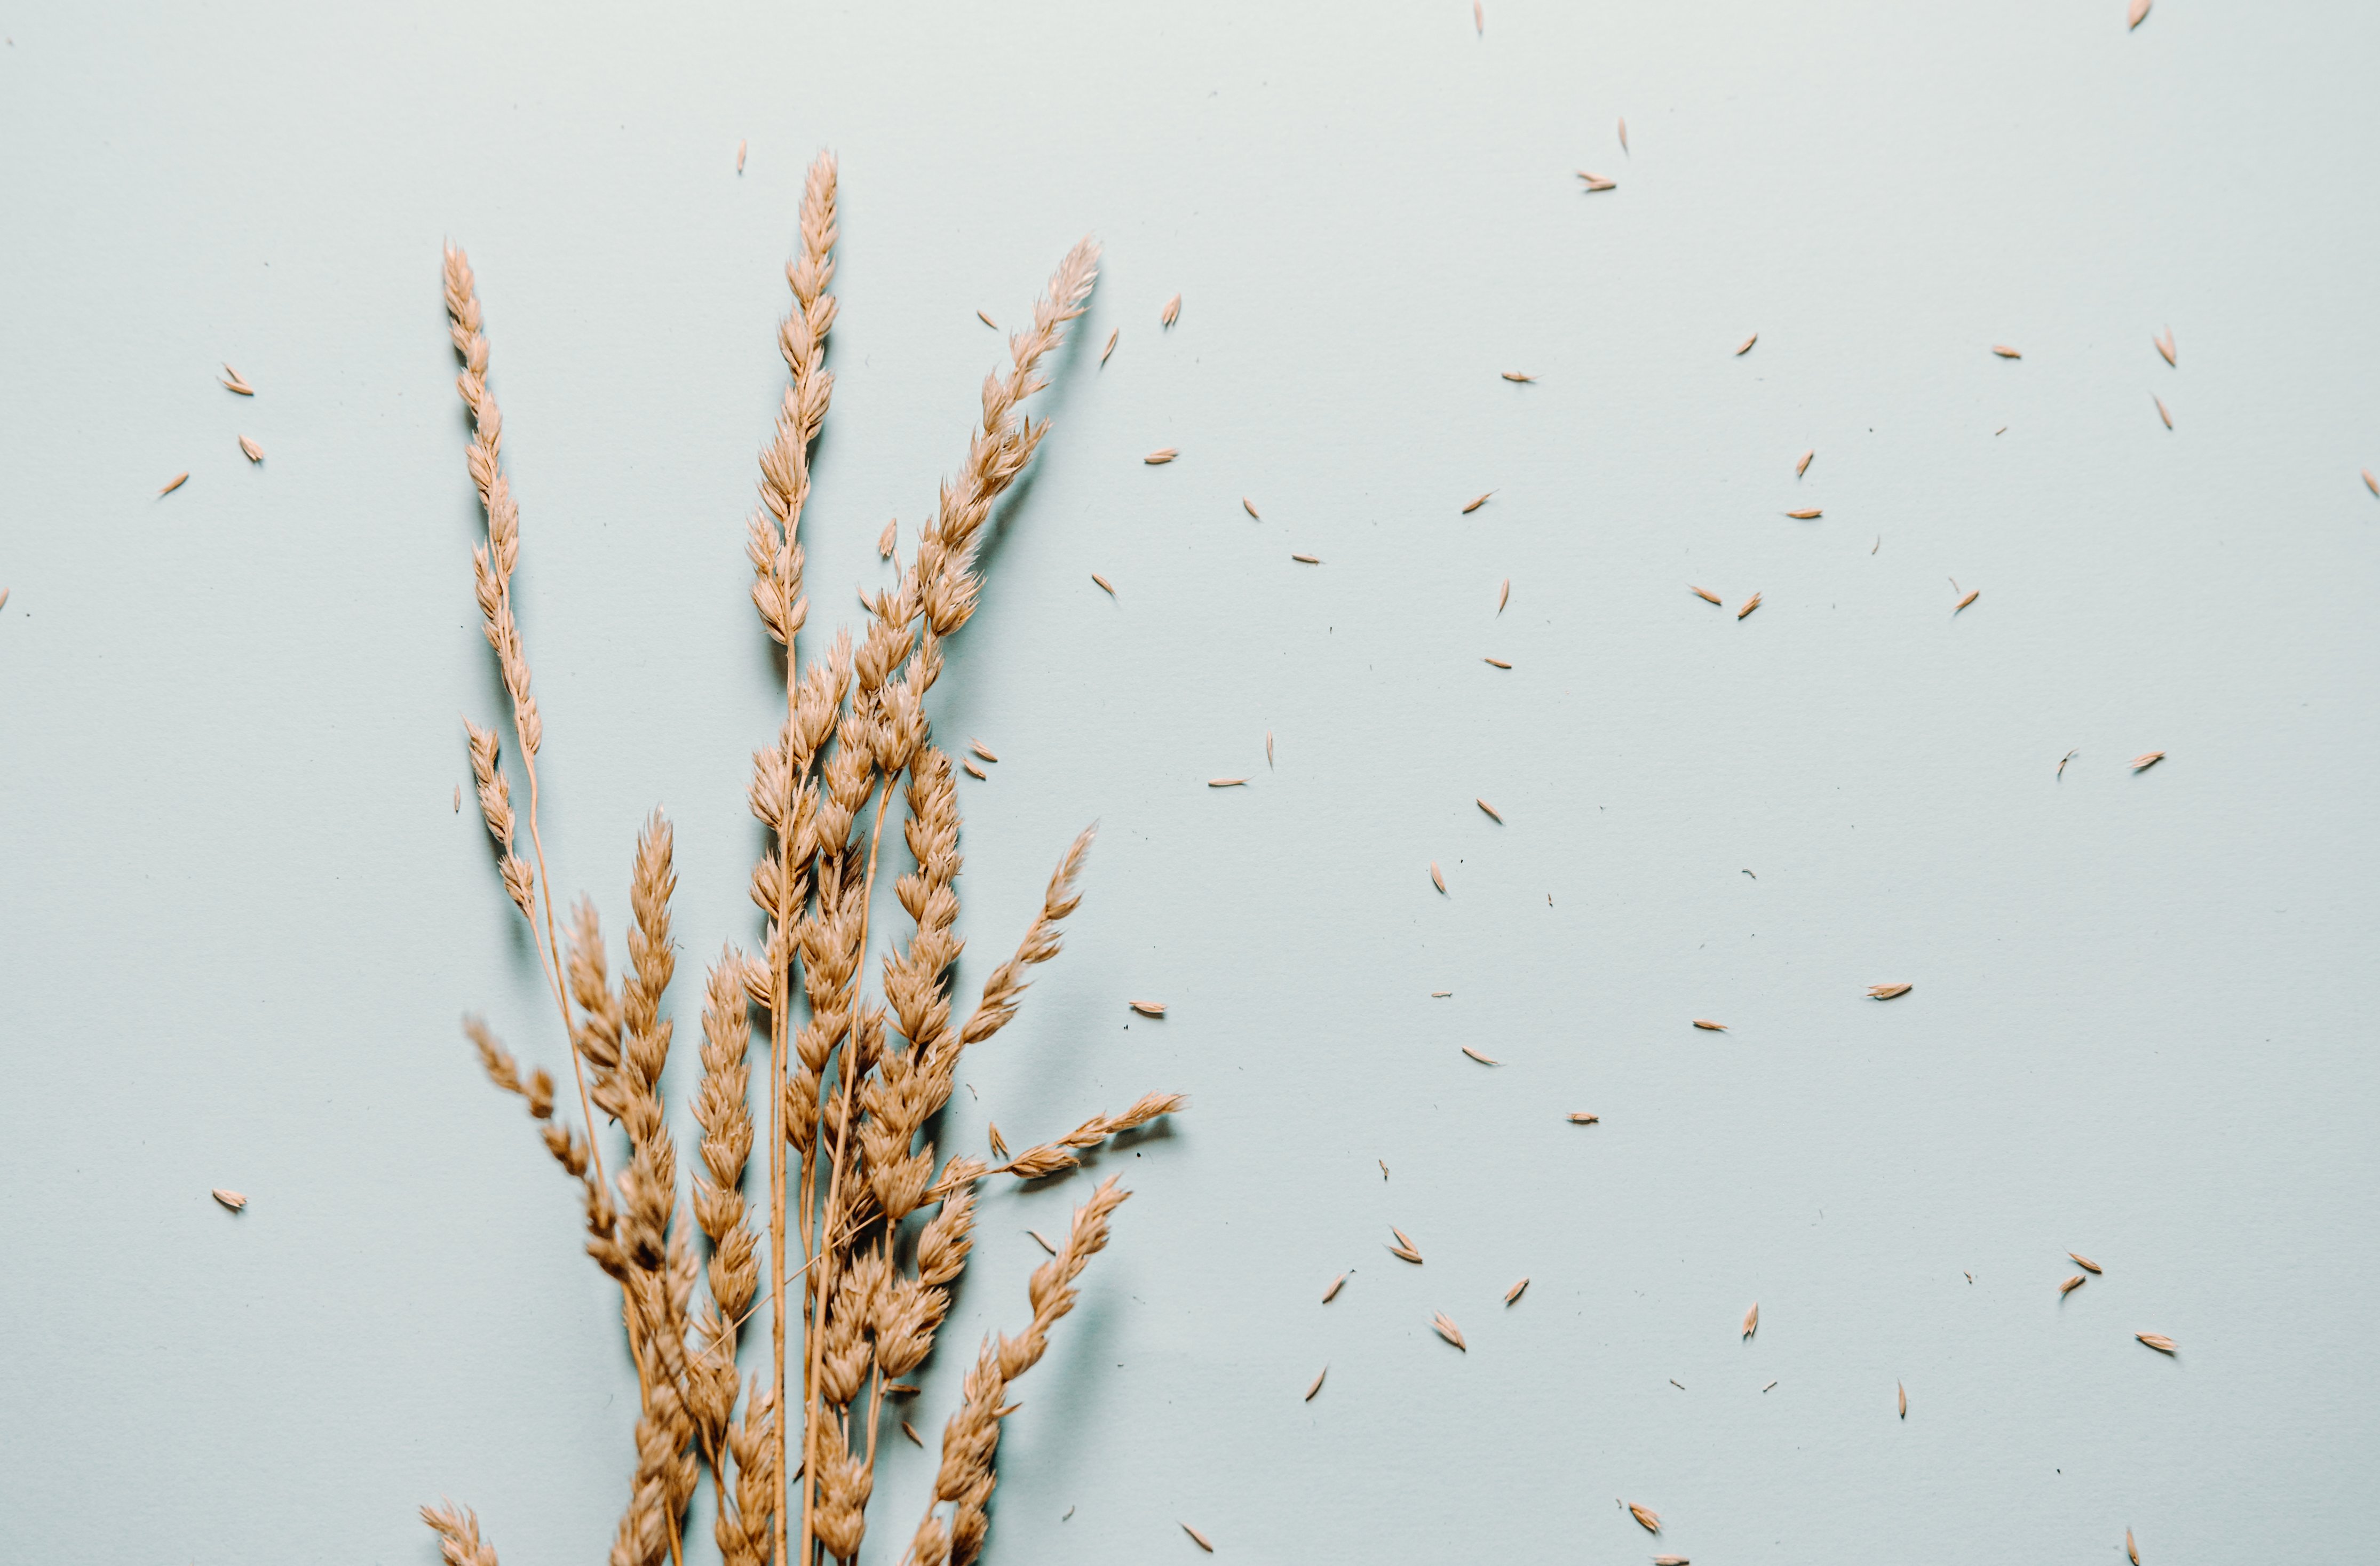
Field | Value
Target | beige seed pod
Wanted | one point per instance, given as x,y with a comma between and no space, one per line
1250,507
1105,586
175,482
887,539
2142,762
1448,1330
1749,605
987,321
1161,455
1745,346
1475,502
1515,1292
1436,878
1305,560
1751,1320
2070,1284
2085,1263
1172,312
1645,1516
1887,992
251,450
231,1199
2156,1341
1580,1117
1198,1538
1149,1008
1704,593
1972,595
1904,1399
1316,1385
1709,1026
1483,1060
2137,14
1802,466
1336,1284
1505,596
1491,810
1227,783
2004,351
1111,348
1808,514
2131,1549
1519,377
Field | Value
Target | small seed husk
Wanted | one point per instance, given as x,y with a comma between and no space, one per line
1112,343
1042,1243
1499,663
2137,15
1519,376
1515,1292
987,321
1904,1399
910,1431
1483,1060
1885,991
2131,1548
1751,1320
234,381
1227,783
1149,1008
973,772
2164,345
1645,1516
2156,1341
1250,507
1104,586
1499,815
1336,1284
1580,1117
231,1199
1746,346
175,482
1749,605
1318,1383
887,539
1710,1026
981,749
1704,593
1473,506
1172,312
251,450
739,157
2085,1263
2004,351
1450,1331
2145,760
1504,596
1161,455
1808,514
1305,560
1436,878
1804,465
1972,595
2070,1284
1198,1538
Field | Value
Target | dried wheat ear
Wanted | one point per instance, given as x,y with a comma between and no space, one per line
883,1227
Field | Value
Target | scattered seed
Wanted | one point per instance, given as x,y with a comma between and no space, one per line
1336,1284
1439,994
1670,1561
2161,410
1749,605
1489,808
1267,747
1474,504
1149,1008
1771,1384
1597,181
975,772
1518,376
2142,763
887,539
1804,465
1318,1383
1515,1292
1305,560
981,749
1227,783
1623,133
1172,312
1966,600
1710,1026
1161,455
2004,351
1483,1060
899,1390
251,450
1505,596
1042,1243
998,1143
2164,345
1580,1117
739,157
2085,1263
1250,507
2131,1548
2370,482
1751,1320
1675,1382
231,1199
1478,19
459,790
1904,1399
1111,348
175,482
1448,1330
2156,1341
1436,878
915,1440
1499,663
232,383
1103,583
1704,593
1810,514
1384,1168
1747,344
2070,1284
2065,759
1885,991
1646,1516
1198,1538
1404,1247
987,321
2137,15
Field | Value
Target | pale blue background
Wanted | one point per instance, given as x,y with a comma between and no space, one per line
241,917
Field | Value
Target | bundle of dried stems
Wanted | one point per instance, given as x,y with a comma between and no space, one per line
854,1083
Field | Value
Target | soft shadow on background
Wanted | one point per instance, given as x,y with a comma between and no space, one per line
242,916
